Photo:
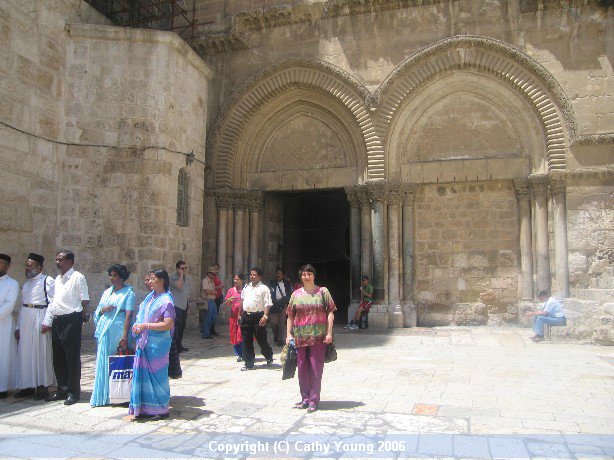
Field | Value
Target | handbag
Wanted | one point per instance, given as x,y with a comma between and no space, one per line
120,378
288,362
331,351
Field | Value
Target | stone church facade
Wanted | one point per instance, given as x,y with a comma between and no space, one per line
467,147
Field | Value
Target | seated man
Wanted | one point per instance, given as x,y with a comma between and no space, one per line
366,299
552,314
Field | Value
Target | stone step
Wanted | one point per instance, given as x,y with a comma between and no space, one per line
602,282
578,306
600,295
608,308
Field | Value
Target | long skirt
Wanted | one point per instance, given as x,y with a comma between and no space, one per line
107,345
151,393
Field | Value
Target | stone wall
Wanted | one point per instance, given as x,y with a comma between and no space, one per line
466,249
33,65
119,109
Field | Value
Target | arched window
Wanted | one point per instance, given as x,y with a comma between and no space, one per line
183,201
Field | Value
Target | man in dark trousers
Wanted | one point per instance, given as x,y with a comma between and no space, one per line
256,298
281,290
64,318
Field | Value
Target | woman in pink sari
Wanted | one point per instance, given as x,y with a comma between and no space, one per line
233,298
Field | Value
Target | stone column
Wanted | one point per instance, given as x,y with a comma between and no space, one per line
559,208
539,187
378,316
352,197
255,207
355,267
237,263
409,308
393,197
523,195
221,200
377,192
365,231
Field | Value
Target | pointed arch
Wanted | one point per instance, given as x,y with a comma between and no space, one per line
497,59
271,83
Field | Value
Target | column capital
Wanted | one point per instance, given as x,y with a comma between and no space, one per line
378,190
352,195
408,192
539,185
222,197
254,201
362,194
394,193
522,189
557,183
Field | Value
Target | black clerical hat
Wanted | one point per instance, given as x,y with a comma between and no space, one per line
5,257
37,258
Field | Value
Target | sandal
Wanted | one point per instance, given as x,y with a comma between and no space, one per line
312,409
301,405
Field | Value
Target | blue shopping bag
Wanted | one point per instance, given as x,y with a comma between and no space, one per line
120,378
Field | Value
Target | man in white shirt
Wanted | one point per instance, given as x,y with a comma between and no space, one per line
64,318
256,298
35,356
208,292
552,314
9,292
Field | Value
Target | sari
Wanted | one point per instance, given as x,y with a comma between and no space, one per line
150,393
109,331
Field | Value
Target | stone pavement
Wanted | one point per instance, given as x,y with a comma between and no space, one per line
443,392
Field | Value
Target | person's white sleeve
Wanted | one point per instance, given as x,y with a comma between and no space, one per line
10,300
50,289
83,291
267,298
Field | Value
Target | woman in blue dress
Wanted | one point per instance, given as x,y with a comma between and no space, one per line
150,393
112,319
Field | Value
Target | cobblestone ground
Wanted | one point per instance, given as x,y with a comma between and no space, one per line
442,392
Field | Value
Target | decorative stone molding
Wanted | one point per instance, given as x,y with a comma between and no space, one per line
362,193
539,185
226,198
394,194
219,43
222,198
522,189
495,58
225,136
594,139
278,16
255,201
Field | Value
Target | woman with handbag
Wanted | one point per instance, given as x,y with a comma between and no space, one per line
150,394
233,298
310,323
112,319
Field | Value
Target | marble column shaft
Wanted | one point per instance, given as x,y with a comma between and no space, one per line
540,194
365,234
559,208
408,243
354,242
237,265
377,192
523,196
254,236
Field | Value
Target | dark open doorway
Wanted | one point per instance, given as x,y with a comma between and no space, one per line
316,230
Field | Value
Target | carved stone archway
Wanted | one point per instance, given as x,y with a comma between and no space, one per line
495,59
272,83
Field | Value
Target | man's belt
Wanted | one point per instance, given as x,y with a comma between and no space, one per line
253,312
29,305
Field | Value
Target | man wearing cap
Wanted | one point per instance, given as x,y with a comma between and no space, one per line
209,293
257,301
9,292
35,355
64,318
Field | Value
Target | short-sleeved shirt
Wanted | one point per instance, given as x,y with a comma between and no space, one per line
368,289
256,298
181,296
554,308
70,290
209,286
310,313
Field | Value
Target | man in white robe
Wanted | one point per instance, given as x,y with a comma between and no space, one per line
35,355
9,291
